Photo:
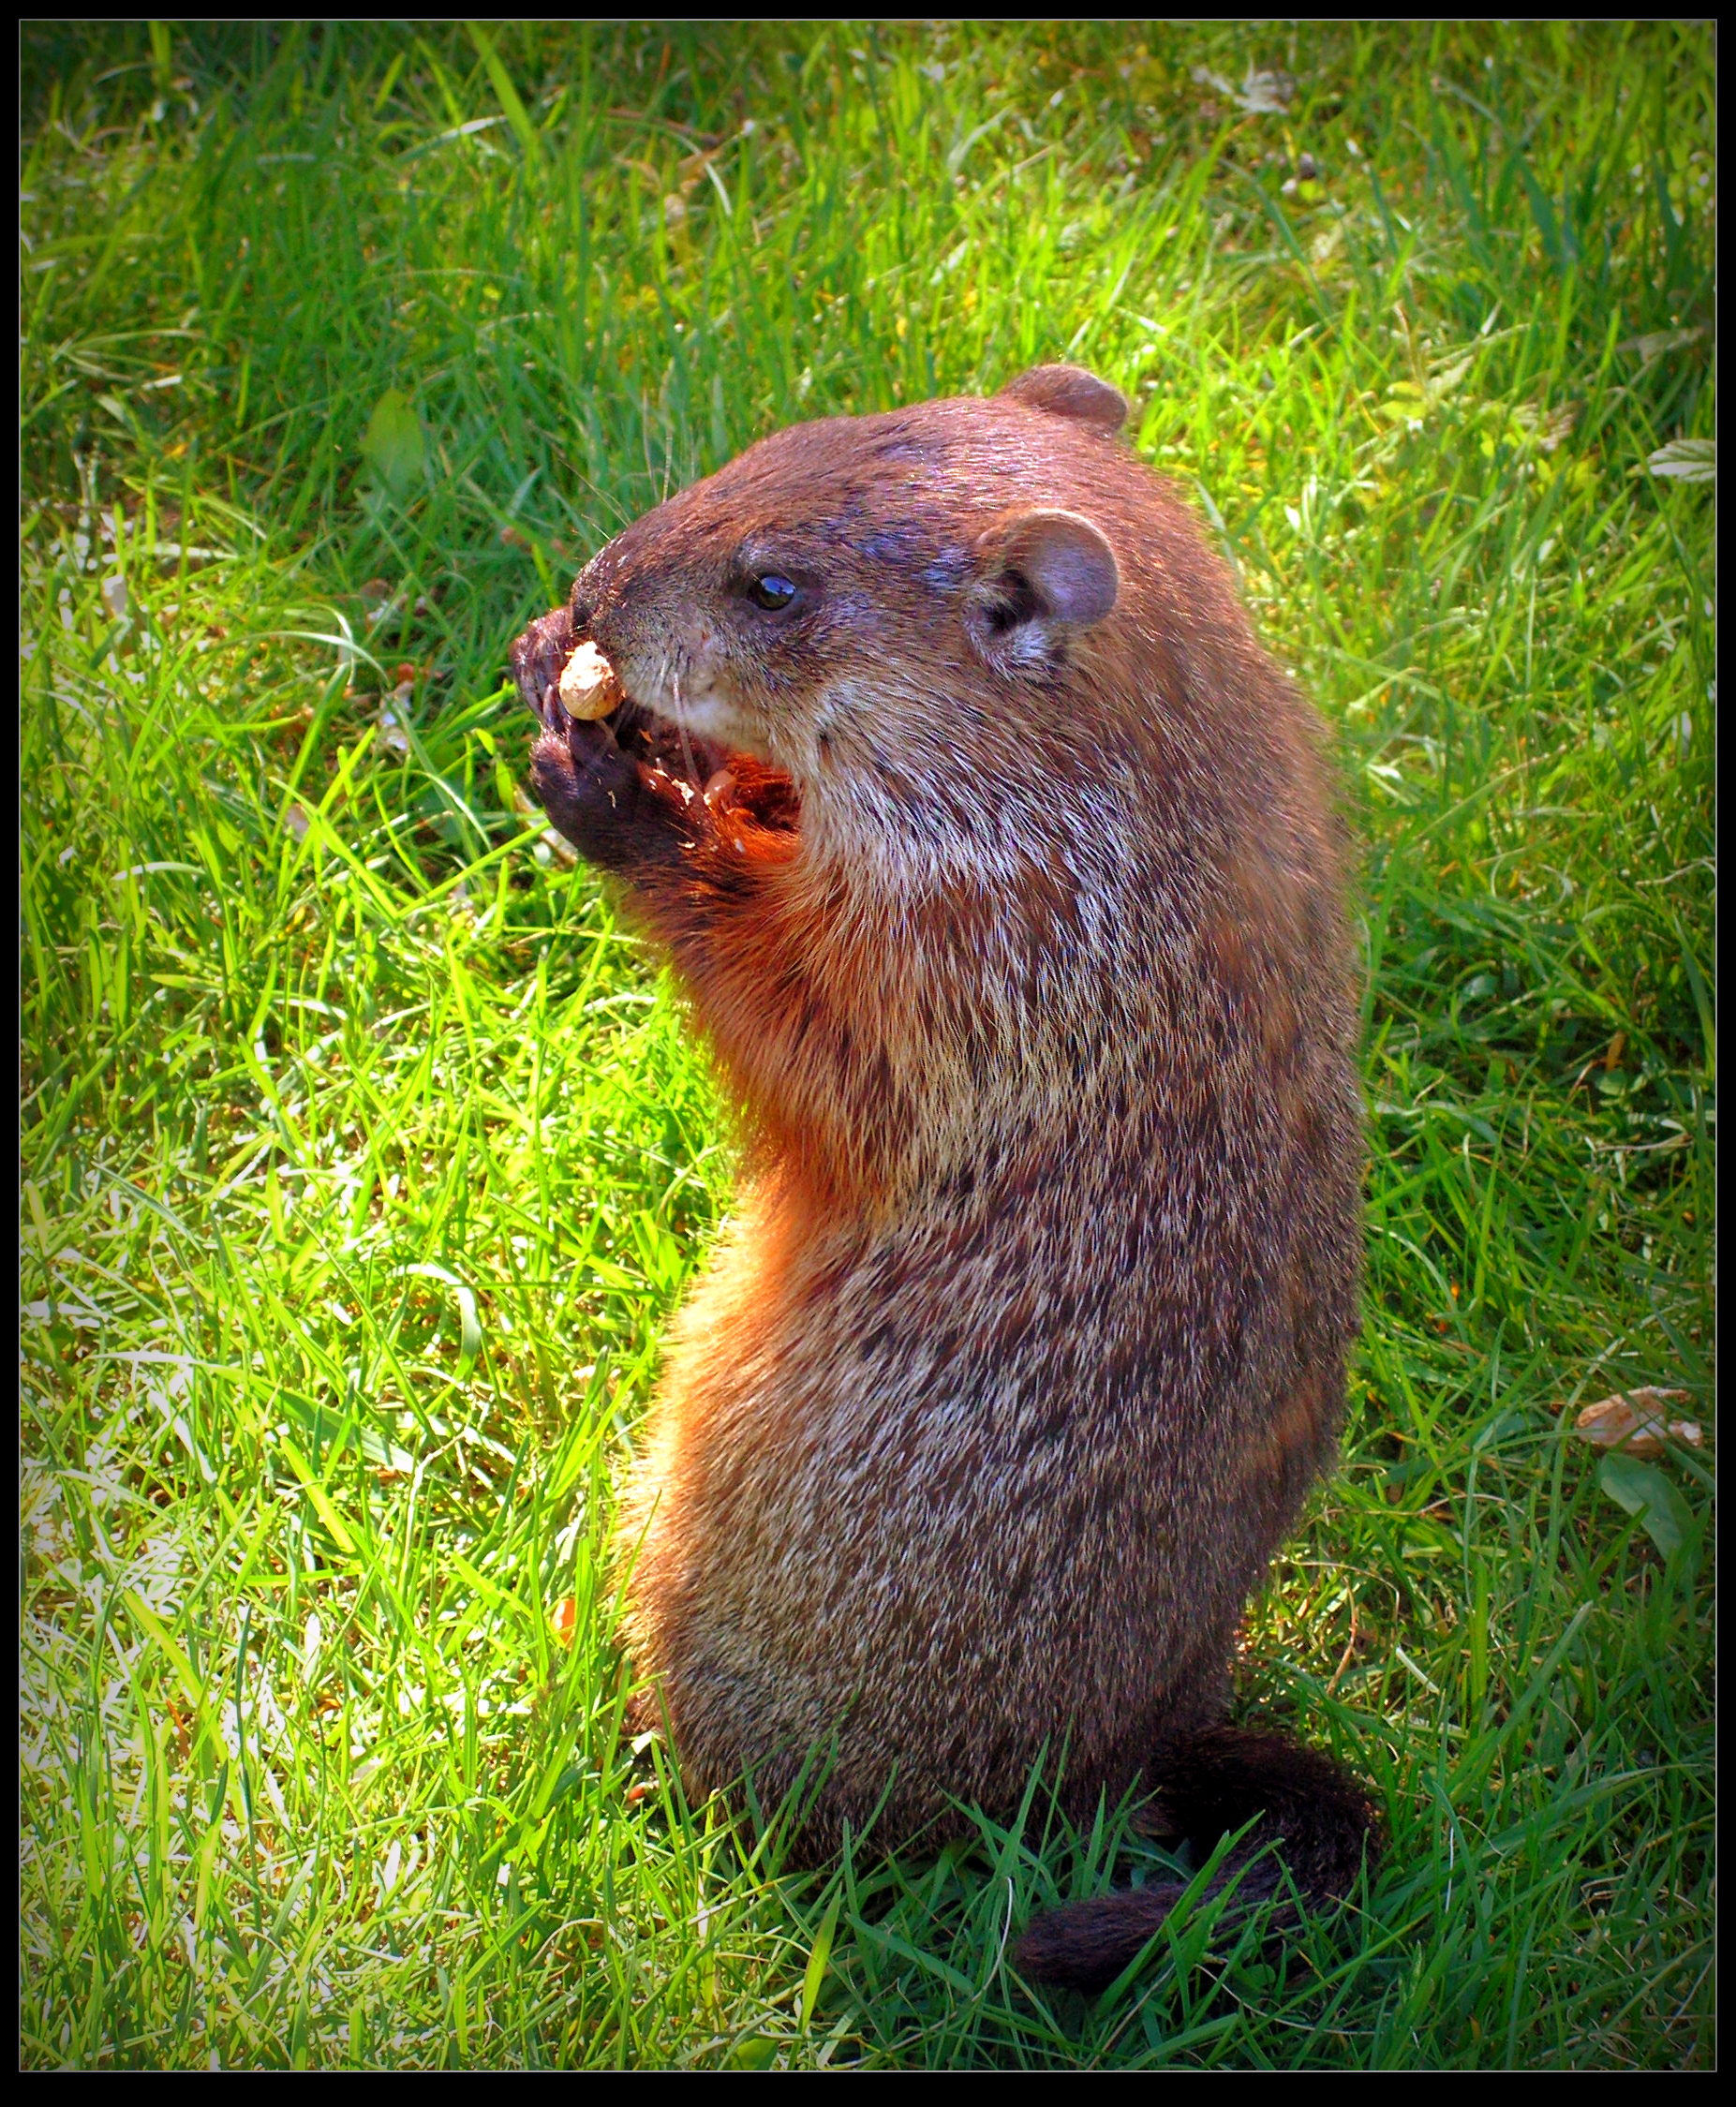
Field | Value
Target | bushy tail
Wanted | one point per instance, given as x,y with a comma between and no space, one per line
1212,1782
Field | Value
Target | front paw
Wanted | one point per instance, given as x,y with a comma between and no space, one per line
538,657
615,812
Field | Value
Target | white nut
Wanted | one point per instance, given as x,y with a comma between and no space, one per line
589,687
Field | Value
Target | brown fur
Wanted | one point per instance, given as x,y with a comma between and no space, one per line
1019,936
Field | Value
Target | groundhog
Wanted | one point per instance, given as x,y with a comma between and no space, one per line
1000,866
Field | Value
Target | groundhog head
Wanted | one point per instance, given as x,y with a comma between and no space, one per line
871,605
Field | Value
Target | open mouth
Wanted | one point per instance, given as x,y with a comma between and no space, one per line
662,743
726,779
728,783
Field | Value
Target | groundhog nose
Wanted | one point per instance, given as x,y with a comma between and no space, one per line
538,656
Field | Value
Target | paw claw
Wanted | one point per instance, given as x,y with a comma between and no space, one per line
537,658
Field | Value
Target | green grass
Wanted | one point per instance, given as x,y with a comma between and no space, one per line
364,1158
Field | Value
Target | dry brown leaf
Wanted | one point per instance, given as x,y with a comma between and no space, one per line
1635,1423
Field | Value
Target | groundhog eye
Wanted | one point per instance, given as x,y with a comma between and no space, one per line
772,590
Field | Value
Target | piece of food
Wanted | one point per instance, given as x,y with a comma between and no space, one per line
589,687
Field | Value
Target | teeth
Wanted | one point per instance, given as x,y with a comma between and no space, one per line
589,687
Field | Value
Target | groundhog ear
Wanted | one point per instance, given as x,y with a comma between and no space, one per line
1041,568
1069,390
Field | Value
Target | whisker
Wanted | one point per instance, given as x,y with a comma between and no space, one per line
686,744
